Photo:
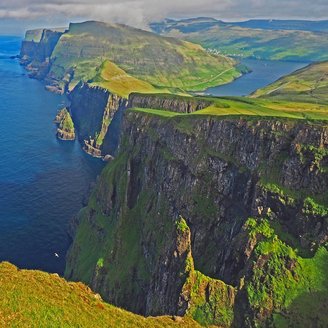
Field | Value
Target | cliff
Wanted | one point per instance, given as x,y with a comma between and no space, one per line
224,220
36,51
96,113
38,299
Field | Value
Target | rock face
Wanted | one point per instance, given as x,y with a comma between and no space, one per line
65,130
97,116
168,229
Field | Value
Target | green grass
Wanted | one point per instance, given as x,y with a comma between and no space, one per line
244,107
67,123
181,225
211,300
116,80
38,299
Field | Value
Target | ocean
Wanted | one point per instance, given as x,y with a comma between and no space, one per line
43,180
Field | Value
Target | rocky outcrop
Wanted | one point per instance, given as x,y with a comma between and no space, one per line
167,102
215,174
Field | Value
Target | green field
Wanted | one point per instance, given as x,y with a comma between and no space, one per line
125,59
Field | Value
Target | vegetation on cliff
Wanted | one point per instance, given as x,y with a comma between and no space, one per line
283,282
65,124
169,220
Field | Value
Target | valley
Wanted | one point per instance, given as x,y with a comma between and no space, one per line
241,40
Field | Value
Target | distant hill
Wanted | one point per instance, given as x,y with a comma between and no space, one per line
309,84
156,62
276,24
286,40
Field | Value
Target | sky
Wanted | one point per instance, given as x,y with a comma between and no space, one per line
18,15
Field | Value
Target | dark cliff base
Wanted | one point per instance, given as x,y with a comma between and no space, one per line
222,220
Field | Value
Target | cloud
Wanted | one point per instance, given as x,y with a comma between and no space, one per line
141,12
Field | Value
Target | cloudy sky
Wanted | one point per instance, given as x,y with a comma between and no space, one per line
18,15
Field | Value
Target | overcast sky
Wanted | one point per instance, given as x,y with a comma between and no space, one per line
18,15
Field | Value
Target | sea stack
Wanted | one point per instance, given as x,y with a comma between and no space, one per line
65,130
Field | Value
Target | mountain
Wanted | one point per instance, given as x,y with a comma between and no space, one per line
309,84
123,59
38,299
250,39
276,24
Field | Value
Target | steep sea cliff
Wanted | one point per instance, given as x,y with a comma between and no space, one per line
199,216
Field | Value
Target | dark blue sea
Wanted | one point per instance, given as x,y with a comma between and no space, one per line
43,181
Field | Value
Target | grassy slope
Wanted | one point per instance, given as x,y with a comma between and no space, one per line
309,84
37,299
238,106
159,61
119,82
248,42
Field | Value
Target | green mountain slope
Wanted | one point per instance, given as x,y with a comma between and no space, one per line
37,299
155,61
230,39
309,84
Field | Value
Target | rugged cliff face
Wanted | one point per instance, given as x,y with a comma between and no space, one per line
224,220
166,102
97,115
35,53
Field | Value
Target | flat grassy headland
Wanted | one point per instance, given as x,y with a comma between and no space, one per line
246,107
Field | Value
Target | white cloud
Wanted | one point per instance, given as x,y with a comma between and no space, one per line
140,12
